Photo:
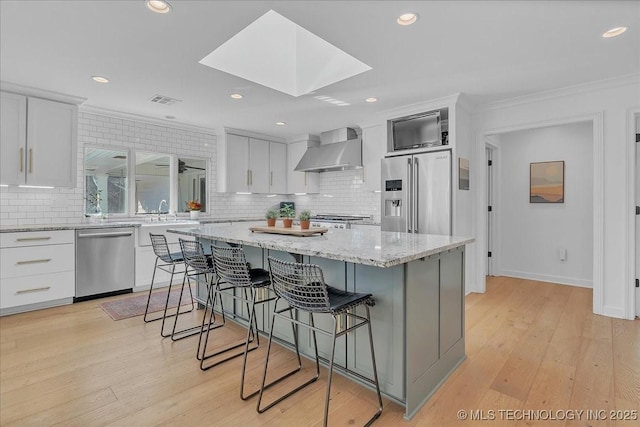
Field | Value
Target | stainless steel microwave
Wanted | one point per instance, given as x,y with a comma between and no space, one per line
418,131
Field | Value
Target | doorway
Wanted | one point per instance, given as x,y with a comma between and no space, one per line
530,240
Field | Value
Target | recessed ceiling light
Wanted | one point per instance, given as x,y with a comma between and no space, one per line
100,79
280,123
236,96
158,6
407,18
614,32
372,99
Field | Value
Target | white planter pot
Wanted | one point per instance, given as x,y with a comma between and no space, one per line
195,214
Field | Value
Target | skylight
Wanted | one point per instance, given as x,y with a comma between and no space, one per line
278,53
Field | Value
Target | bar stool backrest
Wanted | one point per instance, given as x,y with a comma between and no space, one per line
160,247
231,265
194,256
301,285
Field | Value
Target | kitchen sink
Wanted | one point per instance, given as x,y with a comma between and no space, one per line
169,223
158,223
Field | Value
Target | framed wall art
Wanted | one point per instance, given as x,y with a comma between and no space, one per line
546,182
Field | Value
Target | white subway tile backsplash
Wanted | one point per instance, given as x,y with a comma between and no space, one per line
340,192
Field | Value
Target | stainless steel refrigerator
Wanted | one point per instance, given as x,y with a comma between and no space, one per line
416,193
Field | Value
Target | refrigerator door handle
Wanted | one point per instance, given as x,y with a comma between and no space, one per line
408,202
415,195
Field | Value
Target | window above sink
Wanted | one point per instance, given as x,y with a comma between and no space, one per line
122,181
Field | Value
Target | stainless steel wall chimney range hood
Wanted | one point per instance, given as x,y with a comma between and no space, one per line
339,150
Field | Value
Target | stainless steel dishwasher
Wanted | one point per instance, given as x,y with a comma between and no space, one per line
104,262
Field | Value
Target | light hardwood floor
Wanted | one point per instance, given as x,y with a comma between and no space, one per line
530,346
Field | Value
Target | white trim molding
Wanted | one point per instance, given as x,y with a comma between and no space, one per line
605,84
598,212
250,134
562,280
41,93
631,273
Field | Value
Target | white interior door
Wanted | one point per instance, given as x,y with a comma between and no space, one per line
637,218
490,229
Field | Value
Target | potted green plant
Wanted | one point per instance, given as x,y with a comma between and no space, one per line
305,220
272,215
287,213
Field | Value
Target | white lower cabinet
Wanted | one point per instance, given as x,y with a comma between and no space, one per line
146,257
48,288
37,270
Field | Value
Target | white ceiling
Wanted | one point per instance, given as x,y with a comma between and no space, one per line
488,50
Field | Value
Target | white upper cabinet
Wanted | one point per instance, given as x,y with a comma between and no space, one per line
39,141
237,164
52,129
251,167
13,138
278,168
374,148
300,182
259,176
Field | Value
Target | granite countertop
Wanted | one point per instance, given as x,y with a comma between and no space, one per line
117,224
360,246
55,227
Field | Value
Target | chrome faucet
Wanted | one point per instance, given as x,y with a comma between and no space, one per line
160,206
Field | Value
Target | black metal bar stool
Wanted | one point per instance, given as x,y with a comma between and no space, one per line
246,285
302,286
198,266
167,262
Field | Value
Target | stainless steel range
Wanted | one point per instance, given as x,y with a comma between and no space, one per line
336,220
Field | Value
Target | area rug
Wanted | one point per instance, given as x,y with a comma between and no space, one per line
134,306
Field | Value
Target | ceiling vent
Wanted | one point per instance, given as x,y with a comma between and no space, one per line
164,100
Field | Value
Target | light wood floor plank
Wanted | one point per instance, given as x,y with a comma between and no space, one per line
626,361
74,366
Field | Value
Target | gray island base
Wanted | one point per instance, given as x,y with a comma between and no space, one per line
417,281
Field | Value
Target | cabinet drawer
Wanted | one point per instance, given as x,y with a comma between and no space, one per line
17,262
36,238
34,289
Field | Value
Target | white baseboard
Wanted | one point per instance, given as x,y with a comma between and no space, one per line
561,280
616,312
145,288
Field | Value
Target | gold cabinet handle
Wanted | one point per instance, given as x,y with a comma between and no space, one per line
30,160
250,177
271,179
26,291
33,261
32,239
305,178
247,176
21,159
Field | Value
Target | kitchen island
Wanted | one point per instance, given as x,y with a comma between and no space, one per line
417,281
